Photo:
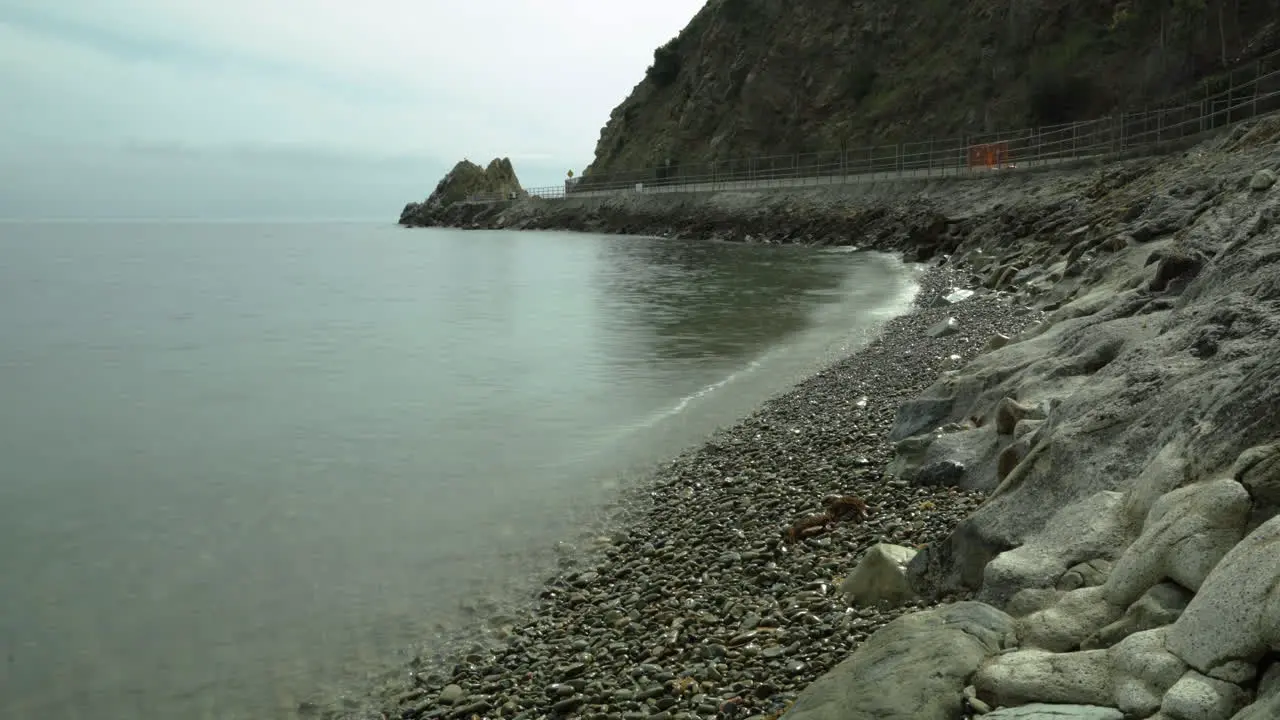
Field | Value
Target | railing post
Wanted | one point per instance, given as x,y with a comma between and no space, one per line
1257,75
1231,93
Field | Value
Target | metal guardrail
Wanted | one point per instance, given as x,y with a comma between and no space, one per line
1218,102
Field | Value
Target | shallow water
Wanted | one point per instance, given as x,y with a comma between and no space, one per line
243,462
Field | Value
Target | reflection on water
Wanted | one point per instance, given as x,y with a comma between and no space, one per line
245,461
701,300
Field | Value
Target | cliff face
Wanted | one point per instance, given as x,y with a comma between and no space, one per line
463,181
768,77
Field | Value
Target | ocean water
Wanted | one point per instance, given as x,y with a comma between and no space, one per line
246,462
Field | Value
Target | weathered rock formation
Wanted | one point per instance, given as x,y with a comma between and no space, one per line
465,180
1132,538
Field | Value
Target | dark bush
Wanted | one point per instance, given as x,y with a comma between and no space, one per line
1056,95
739,11
861,81
666,65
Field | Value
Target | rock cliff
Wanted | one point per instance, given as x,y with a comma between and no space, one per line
496,181
776,77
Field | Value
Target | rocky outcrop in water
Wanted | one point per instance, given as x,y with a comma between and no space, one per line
496,181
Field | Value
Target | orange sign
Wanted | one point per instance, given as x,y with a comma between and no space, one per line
989,155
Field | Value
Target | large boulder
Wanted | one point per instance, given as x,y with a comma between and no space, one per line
1187,532
1158,607
1087,530
1199,697
1066,624
1027,676
1258,469
880,577
914,668
1267,704
1144,670
1236,615
1045,711
1155,393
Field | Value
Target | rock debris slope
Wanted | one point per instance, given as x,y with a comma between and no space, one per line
1131,450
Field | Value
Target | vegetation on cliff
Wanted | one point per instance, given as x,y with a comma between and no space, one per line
768,77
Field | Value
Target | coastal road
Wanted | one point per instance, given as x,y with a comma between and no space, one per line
814,181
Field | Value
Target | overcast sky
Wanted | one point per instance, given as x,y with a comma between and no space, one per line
302,108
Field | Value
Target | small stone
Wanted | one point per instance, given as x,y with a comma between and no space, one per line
774,651
567,705
950,326
1262,180
450,695
995,342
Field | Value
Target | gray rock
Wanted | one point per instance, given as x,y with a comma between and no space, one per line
1032,600
949,399
1068,622
1267,705
945,473
914,668
1262,180
1044,711
1258,469
1186,533
1025,676
880,577
995,342
1085,574
950,326
943,459
450,695
1236,614
1137,387
1198,697
1144,671
1090,528
1010,411
958,295
1159,606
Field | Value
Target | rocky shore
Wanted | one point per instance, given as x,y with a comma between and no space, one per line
1073,515
699,606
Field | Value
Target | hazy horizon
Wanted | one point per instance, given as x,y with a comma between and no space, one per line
143,109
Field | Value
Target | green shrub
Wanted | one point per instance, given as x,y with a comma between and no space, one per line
1056,95
666,64
861,81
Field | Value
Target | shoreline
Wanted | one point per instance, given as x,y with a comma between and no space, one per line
1133,420
695,598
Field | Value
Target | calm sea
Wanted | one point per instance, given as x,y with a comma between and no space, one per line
245,461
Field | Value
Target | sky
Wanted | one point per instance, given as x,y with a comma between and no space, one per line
302,109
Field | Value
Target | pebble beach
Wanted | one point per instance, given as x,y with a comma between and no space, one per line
699,605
